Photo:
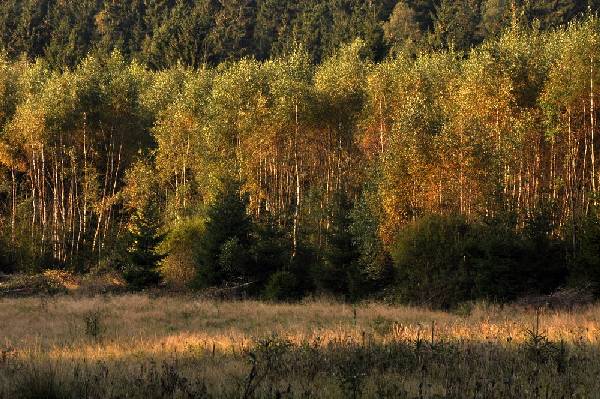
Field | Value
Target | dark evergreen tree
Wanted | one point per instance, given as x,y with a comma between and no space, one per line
31,31
274,24
584,264
374,262
339,273
271,249
402,31
496,16
456,24
224,250
73,32
120,26
143,258
425,11
553,13
180,35
231,37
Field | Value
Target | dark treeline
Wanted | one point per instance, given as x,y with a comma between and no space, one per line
434,177
162,33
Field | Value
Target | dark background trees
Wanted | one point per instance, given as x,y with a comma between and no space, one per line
163,33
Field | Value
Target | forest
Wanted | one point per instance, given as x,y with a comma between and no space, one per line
424,152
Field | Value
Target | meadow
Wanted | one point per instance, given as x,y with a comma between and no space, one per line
134,346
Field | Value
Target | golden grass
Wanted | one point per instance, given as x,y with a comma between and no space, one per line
137,339
141,326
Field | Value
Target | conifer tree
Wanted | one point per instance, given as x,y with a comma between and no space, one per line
143,258
223,253
339,273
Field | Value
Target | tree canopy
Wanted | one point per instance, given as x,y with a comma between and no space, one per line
453,147
163,33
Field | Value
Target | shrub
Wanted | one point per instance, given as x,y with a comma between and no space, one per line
283,285
178,269
429,256
93,324
584,264
445,260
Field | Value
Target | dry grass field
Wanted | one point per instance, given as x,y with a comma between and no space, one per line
138,346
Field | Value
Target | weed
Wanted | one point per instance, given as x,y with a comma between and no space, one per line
93,324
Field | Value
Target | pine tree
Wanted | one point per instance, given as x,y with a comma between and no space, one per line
424,12
456,24
143,257
339,273
223,253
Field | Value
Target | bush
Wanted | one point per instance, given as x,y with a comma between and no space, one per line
443,261
584,263
429,256
178,269
283,285
50,282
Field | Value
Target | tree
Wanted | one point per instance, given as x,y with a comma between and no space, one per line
584,263
223,251
73,34
425,11
274,23
141,269
339,272
179,34
374,262
120,26
456,24
496,16
402,29
553,13
231,37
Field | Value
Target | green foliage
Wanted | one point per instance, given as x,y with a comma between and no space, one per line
271,249
311,124
402,30
165,33
178,268
141,269
224,249
456,24
374,262
338,272
443,261
430,260
93,324
585,262
283,285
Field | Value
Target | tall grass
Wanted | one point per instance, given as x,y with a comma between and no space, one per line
181,347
